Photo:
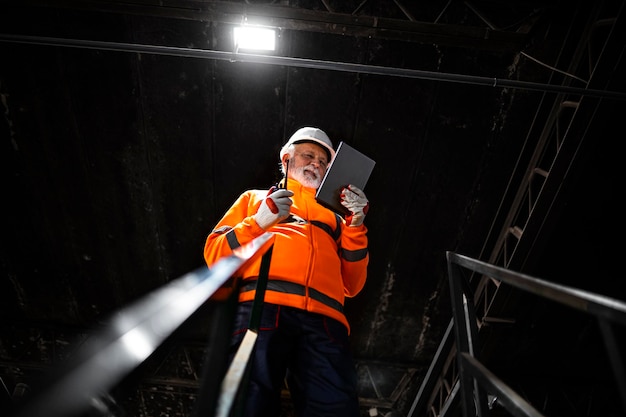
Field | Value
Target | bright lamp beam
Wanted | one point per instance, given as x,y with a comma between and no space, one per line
256,38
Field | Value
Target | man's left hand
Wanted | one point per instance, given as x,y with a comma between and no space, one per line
354,199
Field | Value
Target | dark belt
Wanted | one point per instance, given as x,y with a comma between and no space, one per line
297,289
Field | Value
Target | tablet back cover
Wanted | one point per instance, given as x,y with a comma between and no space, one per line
349,167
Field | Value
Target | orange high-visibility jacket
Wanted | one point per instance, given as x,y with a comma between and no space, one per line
316,262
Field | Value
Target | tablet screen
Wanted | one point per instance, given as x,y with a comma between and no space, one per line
348,167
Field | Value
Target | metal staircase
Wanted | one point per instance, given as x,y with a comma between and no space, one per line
535,193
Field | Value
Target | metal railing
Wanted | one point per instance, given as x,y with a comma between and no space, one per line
135,332
559,134
477,383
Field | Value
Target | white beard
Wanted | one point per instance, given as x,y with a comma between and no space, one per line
309,176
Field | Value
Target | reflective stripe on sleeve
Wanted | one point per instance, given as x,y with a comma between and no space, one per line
353,255
231,238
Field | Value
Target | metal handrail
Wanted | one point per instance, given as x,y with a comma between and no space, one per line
134,333
477,382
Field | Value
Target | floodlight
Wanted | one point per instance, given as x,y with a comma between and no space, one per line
254,38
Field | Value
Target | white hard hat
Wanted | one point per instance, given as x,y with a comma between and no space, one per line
313,135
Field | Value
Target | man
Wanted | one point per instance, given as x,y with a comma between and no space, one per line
318,259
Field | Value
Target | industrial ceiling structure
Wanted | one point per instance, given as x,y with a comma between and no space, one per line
129,127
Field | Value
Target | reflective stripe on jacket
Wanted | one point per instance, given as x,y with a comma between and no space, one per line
317,260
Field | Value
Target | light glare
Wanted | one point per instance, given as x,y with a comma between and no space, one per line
137,344
247,37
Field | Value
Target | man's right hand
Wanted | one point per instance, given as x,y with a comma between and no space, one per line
274,208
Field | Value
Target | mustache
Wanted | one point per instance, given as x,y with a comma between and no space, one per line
312,168
309,175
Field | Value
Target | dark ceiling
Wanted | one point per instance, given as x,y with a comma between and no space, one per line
129,127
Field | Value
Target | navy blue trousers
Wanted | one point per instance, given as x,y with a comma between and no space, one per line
310,352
